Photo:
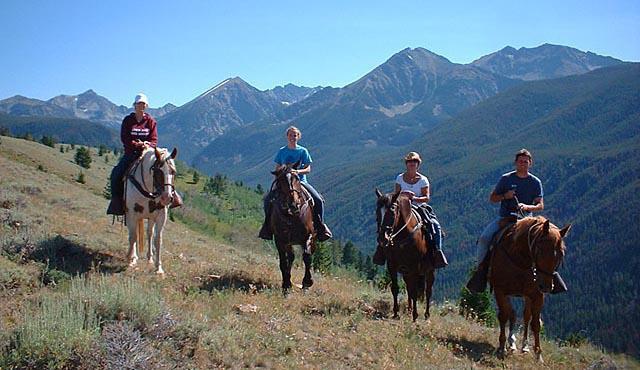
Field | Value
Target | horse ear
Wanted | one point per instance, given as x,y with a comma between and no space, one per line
546,226
174,153
158,154
565,230
378,193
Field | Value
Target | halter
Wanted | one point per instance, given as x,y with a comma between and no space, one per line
155,168
391,237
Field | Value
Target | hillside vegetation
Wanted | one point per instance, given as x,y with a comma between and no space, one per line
68,300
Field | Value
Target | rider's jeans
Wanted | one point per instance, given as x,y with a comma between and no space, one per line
118,172
485,238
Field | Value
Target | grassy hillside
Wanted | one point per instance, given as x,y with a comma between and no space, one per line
68,300
584,134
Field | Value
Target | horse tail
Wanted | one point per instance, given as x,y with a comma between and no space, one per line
421,285
141,235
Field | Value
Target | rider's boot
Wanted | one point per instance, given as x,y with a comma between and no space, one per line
558,284
322,231
478,282
176,200
116,206
379,257
439,259
265,231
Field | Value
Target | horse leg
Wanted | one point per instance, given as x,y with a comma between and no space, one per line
307,282
150,241
512,330
285,266
526,319
160,221
504,308
410,280
132,225
536,308
395,289
430,277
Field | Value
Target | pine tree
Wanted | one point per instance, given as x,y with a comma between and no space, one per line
83,158
196,177
106,192
349,255
321,259
80,177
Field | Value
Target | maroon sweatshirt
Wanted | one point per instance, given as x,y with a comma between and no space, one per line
132,130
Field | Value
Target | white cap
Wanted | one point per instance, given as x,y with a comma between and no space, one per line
141,98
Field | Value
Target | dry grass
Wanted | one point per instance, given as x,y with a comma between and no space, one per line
221,304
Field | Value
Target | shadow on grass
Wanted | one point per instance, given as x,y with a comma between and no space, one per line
67,256
475,351
234,281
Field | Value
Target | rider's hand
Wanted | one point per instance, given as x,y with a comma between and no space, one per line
524,207
409,193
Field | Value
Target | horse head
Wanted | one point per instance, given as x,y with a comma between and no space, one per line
289,188
547,249
388,220
164,170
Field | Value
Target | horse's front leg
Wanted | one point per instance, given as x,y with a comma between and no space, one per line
132,225
504,311
526,319
160,221
411,281
150,240
430,277
395,289
536,308
307,282
286,261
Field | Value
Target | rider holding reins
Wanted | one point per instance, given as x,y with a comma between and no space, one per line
520,194
138,132
289,154
416,186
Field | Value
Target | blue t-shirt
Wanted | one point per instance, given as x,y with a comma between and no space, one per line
290,156
527,189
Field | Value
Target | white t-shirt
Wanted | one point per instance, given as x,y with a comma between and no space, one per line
416,188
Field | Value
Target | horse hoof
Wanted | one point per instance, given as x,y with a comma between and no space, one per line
133,262
539,358
396,316
160,271
525,349
500,354
307,284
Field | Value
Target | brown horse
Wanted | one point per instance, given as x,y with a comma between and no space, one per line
401,237
523,264
291,221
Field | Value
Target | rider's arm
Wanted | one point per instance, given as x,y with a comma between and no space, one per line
304,171
537,206
424,197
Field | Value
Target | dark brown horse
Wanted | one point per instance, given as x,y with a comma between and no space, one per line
523,264
401,237
291,221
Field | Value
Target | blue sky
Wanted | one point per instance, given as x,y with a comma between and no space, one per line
175,50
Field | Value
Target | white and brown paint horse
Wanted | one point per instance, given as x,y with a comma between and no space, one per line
148,193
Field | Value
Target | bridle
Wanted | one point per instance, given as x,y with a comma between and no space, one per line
389,237
293,204
158,179
534,253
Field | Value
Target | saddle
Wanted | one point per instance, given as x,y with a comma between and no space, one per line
427,217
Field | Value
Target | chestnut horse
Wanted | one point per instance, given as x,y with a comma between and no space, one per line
291,221
523,264
401,237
